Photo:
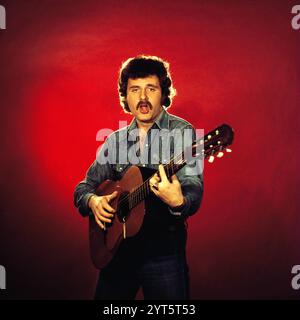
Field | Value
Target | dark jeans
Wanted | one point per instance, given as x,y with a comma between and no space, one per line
157,266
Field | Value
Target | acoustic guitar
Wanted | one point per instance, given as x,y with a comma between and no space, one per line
134,187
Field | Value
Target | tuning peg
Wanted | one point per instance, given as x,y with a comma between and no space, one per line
211,159
220,154
228,150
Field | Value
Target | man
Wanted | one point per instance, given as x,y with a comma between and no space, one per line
155,258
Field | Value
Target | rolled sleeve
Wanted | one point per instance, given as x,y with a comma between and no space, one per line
191,180
192,190
98,172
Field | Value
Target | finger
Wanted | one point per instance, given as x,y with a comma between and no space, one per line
156,177
100,224
154,190
112,196
107,207
103,216
155,187
102,212
154,181
174,178
162,173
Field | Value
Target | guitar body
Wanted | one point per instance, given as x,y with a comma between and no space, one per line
104,243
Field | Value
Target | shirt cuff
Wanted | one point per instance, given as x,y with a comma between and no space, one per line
183,211
85,200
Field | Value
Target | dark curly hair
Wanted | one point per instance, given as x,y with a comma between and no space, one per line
143,66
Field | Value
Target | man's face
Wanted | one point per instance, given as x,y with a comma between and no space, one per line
144,98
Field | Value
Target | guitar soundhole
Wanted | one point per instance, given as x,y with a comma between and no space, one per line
123,209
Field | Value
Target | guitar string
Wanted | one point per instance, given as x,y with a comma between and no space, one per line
145,183
136,195
137,191
143,189
133,195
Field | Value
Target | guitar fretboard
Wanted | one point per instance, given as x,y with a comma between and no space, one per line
215,141
141,192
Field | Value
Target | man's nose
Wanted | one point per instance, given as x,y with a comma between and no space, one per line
143,94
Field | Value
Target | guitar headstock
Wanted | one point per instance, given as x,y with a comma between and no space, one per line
216,142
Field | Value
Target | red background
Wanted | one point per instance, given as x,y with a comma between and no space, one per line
231,61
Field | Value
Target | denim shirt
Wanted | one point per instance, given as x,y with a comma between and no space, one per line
121,150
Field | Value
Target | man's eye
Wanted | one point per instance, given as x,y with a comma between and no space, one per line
152,89
134,90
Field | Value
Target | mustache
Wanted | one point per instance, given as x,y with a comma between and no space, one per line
143,103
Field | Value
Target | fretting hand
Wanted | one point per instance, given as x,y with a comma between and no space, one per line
169,192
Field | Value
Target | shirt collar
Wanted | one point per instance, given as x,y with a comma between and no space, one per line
162,121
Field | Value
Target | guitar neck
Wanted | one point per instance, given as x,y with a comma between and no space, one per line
142,191
212,143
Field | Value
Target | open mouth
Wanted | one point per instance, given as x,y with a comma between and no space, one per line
144,108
